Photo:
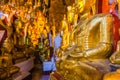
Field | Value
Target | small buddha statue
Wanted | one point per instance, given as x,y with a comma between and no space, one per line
6,66
53,31
18,36
112,75
40,18
65,36
29,2
37,29
70,14
40,21
36,3
115,57
93,7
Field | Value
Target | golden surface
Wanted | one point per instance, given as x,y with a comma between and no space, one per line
115,57
94,41
86,7
5,60
66,34
112,75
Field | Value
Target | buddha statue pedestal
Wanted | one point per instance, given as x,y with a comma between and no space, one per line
7,70
18,56
25,67
22,53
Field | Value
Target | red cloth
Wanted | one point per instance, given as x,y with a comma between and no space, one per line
100,6
116,27
106,7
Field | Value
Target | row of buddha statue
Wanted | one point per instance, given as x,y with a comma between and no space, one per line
19,27
87,41
91,52
29,29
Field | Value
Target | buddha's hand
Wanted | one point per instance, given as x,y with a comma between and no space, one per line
77,54
115,58
61,54
112,58
69,64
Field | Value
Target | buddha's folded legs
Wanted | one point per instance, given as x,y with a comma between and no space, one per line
82,70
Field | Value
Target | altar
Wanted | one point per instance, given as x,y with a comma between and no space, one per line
25,67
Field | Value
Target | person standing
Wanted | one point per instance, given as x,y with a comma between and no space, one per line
57,44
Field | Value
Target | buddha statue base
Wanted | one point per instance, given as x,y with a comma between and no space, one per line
3,74
7,73
6,67
83,70
22,53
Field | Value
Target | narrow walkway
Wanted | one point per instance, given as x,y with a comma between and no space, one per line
45,77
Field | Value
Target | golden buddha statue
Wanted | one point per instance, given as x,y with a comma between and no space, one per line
93,7
18,36
8,42
37,29
93,45
29,2
40,22
115,58
112,75
85,7
66,34
6,67
70,14
6,58
53,31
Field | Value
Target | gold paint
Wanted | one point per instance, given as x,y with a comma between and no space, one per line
94,41
66,34
115,58
112,75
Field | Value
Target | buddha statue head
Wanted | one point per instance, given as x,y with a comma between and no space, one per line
64,22
86,8
70,14
80,5
40,19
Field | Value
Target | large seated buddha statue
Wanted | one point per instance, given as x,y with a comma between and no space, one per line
7,69
87,59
